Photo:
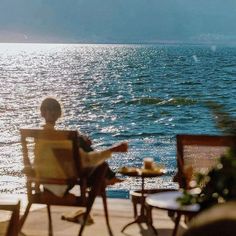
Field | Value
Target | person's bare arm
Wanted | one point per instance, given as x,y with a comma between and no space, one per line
95,158
121,147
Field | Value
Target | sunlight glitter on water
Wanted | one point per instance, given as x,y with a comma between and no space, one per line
144,94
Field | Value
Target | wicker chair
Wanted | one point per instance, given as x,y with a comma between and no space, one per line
200,153
195,153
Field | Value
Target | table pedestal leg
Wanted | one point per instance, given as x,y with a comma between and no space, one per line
140,220
145,214
177,220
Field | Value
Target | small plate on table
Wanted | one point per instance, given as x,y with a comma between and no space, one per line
131,171
154,171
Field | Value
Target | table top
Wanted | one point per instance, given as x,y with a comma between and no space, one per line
141,172
167,201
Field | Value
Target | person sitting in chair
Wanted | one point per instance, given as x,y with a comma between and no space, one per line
51,111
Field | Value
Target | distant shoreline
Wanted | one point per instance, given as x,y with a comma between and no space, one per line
130,43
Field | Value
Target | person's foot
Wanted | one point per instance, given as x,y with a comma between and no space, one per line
113,181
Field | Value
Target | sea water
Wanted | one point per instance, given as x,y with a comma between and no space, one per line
143,94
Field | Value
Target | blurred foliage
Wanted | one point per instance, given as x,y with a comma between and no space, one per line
220,182
224,120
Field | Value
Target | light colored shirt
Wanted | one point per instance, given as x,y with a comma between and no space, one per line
94,158
53,159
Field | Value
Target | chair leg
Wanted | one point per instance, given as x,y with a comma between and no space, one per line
135,208
50,231
13,227
104,199
177,220
149,214
90,202
96,189
23,218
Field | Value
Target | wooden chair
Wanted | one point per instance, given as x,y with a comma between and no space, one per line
64,168
14,207
200,153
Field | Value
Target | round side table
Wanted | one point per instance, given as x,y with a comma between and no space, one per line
144,216
167,201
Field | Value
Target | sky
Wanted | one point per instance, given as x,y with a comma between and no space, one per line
117,21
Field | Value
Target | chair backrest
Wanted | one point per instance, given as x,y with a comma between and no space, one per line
200,153
12,228
50,156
